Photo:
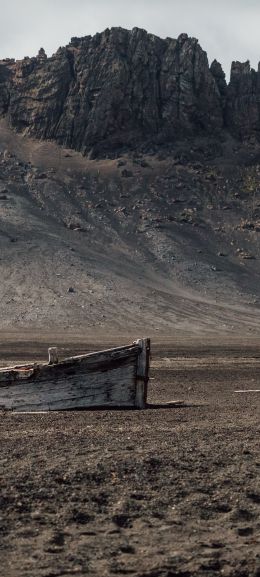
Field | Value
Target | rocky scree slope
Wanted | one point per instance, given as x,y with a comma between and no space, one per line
122,89
138,244
155,227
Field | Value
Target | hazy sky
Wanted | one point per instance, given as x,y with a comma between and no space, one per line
227,29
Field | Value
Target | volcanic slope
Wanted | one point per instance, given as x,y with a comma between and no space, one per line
162,242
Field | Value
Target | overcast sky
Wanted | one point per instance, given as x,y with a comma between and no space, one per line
227,29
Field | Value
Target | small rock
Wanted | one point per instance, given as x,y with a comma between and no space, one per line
41,175
7,154
126,173
245,531
246,256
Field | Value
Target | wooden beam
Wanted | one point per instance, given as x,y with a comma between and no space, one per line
249,391
53,355
142,372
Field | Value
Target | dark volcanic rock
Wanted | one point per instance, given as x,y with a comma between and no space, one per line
220,78
124,88
116,88
38,93
190,99
5,75
243,112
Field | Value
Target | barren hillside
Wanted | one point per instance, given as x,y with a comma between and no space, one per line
158,242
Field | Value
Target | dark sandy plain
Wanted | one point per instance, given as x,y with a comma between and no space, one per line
169,491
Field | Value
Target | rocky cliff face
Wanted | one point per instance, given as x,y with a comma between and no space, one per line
243,109
123,88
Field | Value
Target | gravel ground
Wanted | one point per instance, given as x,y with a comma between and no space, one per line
166,492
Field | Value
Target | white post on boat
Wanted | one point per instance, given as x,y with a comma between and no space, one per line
53,355
142,373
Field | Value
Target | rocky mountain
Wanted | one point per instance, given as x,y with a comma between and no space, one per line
122,89
129,189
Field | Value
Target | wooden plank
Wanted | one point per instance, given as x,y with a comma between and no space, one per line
114,389
58,383
107,353
249,391
90,363
142,373
98,355
53,355
16,367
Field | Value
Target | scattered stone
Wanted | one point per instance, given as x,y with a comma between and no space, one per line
126,173
144,164
81,517
122,520
7,154
41,175
246,255
245,531
254,496
249,225
127,549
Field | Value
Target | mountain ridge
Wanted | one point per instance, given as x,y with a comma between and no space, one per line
122,89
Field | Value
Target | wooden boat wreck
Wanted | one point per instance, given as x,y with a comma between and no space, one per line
110,378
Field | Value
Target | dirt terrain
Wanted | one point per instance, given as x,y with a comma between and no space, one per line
172,491
161,242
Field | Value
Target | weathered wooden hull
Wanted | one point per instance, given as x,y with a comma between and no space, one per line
112,378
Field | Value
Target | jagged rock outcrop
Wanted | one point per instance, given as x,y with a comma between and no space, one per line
243,110
122,88
220,78
5,76
116,88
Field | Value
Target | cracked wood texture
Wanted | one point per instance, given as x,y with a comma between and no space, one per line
108,378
